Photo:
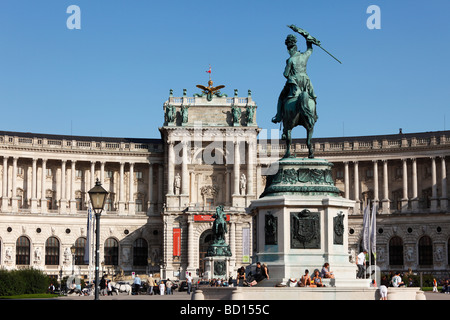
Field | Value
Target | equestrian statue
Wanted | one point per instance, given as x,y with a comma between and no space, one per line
297,101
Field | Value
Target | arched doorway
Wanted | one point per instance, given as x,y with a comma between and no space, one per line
204,241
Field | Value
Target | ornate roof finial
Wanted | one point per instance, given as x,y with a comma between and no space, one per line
210,90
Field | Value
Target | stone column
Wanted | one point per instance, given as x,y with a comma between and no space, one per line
227,187
184,196
193,199
5,200
346,181
121,189
236,169
43,178
415,198
385,202
160,186
150,188
190,244
102,172
375,182
63,200
184,170
73,203
14,186
131,209
434,195
92,177
356,183
444,199
170,168
250,168
404,201
34,186
232,244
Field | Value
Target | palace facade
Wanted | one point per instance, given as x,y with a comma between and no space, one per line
162,192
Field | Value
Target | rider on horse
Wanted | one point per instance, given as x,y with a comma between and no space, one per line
295,73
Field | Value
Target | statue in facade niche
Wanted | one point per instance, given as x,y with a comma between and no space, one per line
243,184
177,184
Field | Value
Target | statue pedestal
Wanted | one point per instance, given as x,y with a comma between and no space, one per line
217,268
301,223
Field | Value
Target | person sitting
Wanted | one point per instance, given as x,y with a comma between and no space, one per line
397,280
317,280
326,273
305,280
240,275
261,273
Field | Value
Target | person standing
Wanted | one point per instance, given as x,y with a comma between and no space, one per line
137,284
169,285
361,262
103,286
161,288
151,284
189,283
435,289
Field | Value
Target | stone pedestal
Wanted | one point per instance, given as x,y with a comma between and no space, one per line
217,267
301,223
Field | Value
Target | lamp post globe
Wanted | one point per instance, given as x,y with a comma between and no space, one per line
98,196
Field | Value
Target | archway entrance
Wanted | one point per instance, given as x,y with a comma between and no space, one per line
204,241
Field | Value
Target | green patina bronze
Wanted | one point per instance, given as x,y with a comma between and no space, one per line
218,246
297,101
301,176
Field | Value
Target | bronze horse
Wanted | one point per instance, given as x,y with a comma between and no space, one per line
299,110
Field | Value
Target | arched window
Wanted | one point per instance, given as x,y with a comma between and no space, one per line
140,252
396,251
23,251
111,252
52,251
425,251
80,246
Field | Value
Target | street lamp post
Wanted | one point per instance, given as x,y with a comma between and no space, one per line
97,195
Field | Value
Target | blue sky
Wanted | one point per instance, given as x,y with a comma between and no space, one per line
111,77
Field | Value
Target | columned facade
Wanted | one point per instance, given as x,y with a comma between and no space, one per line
163,192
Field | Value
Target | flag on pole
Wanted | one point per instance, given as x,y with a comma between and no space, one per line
366,227
87,247
209,70
373,231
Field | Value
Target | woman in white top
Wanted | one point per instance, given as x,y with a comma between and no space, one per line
162,288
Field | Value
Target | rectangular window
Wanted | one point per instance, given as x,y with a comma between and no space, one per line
138,205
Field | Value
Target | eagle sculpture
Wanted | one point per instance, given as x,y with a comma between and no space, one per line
210,90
